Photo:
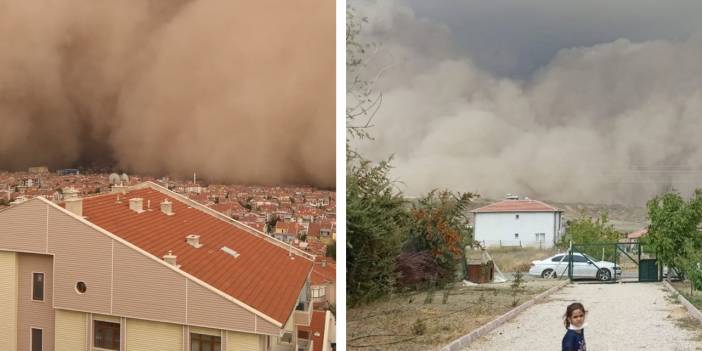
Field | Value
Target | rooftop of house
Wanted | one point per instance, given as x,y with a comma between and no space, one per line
316,330
265,275
526,205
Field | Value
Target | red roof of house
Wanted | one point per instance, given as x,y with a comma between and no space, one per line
637,234
321,275
517,206
263,277
316,326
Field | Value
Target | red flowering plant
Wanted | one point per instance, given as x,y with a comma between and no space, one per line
439,225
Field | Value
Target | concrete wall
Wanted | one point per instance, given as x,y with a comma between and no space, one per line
8,301
34,314
71,331
495,227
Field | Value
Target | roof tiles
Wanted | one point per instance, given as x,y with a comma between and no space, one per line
263,277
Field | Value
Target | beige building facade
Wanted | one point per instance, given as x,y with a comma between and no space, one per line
68,285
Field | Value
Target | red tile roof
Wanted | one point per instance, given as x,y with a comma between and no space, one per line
316,326
321,275
637,234
517,206
263,277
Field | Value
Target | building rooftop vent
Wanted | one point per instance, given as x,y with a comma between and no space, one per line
167,207
136,204
512,197
193,240
170,258
230,251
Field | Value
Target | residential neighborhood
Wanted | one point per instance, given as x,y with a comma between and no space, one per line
136,263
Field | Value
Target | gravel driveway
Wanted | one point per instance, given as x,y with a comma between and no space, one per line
635,316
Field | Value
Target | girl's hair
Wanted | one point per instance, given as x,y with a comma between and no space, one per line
569,312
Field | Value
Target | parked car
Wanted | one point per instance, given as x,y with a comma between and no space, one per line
584,266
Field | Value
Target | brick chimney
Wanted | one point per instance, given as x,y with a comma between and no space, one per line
75,206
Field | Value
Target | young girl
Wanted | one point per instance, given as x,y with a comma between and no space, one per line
574,339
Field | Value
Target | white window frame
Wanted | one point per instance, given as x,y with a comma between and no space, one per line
43,286
31,334
319,292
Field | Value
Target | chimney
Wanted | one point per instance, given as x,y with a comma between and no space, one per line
170,258
136,204
75,206
167,207
193,240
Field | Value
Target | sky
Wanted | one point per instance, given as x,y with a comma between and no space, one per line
559,100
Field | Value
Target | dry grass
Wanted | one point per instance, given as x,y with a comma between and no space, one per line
683,287
508,259
421,320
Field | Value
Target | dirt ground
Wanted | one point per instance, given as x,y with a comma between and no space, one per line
396,323
684,288
629,316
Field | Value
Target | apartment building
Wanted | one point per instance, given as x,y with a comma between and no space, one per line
147,269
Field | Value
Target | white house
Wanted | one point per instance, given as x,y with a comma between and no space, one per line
514,222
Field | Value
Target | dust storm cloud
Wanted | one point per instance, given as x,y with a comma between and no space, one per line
237,91
612,122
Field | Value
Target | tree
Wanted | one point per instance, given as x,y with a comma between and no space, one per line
272,221
331,250
439,223
673,231
374,220
586,230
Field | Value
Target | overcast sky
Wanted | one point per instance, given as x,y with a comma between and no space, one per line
561,100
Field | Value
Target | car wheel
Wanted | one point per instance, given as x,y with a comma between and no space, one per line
604,275
548,273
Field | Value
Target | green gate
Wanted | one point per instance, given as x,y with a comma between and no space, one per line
612,262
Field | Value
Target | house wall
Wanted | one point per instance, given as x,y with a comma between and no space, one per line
144,335
71,329
495,227
243,342
8,301
34,314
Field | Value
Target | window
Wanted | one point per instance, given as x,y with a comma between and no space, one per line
540,237
81,287
318,292
106,335
558,259
36,339
516,235
38,286
516,216
579,258
201,342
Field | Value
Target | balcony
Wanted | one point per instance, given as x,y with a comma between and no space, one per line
303,313
304,345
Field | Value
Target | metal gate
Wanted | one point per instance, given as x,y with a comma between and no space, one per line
613,262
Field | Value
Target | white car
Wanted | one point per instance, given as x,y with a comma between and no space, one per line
584,266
